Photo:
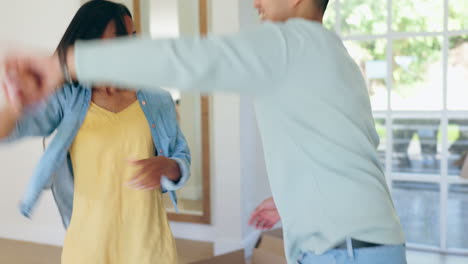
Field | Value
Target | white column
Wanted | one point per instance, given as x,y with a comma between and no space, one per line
227,200
239,174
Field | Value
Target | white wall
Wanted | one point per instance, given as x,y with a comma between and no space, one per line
38,24
163,18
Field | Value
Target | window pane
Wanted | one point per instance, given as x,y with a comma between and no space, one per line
458,144
418,206
382,131
457,216
457,71
370,56
458,15
330,16
363,17
417,74
416,146
416,16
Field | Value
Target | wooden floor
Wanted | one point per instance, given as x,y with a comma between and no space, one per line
16,252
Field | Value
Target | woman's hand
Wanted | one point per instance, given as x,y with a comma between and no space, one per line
151,171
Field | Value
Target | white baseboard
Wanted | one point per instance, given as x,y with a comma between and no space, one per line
40,235
197,232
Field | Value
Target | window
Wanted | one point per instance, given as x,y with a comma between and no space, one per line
414,56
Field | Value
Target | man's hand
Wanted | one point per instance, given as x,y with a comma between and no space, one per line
14,106
21,90
33,77
151,171
265,215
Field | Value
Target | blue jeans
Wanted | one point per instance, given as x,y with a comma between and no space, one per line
367,255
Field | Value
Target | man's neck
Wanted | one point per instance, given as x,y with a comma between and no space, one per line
306,10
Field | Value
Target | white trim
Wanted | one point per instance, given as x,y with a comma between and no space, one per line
416,114
452,251
443,183
380,114
388,153
363,37
420,247
457,114
402,35
197,232
415,127
444,125
457,33
393,35
36,234
389,85
415,177
452,114
456,180
443,201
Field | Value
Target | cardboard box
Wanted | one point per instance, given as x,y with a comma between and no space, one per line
259,256
236,257
269,250
262,256
190,251
272,241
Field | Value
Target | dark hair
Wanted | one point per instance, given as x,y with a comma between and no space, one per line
322,4
91,21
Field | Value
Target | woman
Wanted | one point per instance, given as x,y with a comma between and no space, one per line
107,141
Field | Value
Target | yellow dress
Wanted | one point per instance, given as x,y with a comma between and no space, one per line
111,223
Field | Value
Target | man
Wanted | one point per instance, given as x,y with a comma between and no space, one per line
313,111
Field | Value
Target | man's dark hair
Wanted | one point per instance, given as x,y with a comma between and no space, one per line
322,4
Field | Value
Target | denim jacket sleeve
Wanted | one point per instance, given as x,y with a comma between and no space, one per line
181,154
39,121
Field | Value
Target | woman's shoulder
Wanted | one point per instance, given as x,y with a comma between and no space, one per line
158,95
69,93
71,90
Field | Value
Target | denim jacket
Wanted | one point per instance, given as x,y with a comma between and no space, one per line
65,112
